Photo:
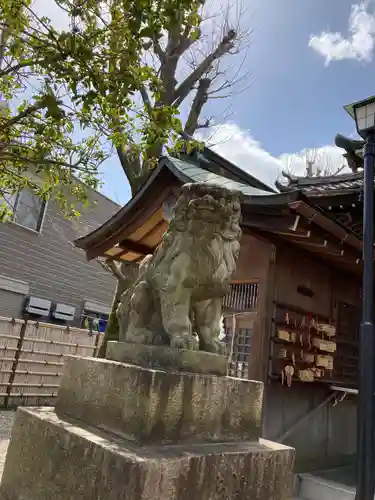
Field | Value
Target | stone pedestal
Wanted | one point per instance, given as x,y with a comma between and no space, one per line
127,432
157,407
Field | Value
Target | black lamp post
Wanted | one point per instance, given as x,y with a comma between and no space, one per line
363,113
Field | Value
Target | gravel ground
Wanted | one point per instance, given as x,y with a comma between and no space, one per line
6,422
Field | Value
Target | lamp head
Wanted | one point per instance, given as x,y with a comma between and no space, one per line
363,112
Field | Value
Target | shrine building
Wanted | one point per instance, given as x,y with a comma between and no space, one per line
293,313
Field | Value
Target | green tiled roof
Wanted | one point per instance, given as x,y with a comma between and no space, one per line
197,174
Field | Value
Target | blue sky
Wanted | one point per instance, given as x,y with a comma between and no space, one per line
297,94
308,58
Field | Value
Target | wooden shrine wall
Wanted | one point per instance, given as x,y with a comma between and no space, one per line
326,437
253,267
308,292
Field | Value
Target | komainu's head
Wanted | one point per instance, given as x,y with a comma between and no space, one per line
207,209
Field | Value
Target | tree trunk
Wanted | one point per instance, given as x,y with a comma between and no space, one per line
129,273
132,169
111,331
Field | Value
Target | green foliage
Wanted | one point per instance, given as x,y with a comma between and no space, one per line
85,78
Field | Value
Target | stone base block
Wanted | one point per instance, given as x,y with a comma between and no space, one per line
156,407
49,458
167,358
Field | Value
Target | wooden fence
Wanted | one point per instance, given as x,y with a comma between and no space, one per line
32,358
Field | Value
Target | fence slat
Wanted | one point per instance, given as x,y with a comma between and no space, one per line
15,362
29,354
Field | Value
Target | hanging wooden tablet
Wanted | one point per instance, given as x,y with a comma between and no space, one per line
324,345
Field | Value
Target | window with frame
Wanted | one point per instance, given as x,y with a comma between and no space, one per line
239,346
28,209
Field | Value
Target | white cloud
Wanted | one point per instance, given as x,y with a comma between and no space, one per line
230,141
239,147
359,44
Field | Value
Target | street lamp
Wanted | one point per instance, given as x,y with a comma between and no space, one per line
363,113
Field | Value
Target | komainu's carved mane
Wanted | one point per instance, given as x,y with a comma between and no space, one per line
180,287
207,204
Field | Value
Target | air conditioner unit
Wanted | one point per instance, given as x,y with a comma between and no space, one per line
63,312
38,307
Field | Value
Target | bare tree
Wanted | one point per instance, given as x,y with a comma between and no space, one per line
196,62
315,163
96,74
196,65
220,77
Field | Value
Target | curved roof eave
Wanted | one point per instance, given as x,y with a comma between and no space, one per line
116,220
310,182
274,199
120,219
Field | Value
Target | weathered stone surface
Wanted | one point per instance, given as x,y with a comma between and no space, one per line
167,358
152,406
50,459
179,288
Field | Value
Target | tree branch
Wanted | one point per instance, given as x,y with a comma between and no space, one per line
158,50
186,40
3,38
199,101
206,124
131,166
125,271
146,99
168,69
186,86
178,43
9,156
17,67
115,270
27,112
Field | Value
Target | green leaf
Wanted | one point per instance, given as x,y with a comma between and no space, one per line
195,34
84,89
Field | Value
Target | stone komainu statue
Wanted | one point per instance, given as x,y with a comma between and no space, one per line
180,287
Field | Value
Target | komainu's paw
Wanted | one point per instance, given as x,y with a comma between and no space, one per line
215,346
188,342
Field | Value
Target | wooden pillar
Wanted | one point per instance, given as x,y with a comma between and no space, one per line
263,322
